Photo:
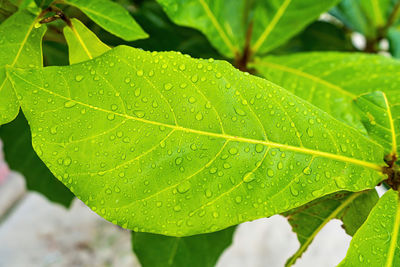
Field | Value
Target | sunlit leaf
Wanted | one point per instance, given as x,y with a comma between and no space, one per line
83,44
197,251
163,143
20,157
376,243
307,221
112,17
20,46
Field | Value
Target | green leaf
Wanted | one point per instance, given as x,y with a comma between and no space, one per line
197,251
307,221
112,17
366,17
277,21
226,23
376,243
147,142
20,46
223,22
43,3
394,41
331,81
20,156
83,44
376,115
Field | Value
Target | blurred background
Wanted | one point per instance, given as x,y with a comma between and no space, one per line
48,234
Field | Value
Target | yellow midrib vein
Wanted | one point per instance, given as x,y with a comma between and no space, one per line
223,136
263,37
322,225
218,27
307,76
395,236
78,37
392,130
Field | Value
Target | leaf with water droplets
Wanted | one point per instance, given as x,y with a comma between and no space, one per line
308,220
332,81
377,241
110,16
20,46
21,157
83,44
196,251
376,116
153,154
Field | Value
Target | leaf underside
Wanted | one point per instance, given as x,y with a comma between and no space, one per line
180,146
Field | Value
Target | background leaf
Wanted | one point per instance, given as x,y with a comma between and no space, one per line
112,17
307,221
394,41
376,243
6,9
20,46
331,81
197,251
136,131
20,156
83,44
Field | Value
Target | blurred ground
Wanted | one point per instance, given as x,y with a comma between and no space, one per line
36,233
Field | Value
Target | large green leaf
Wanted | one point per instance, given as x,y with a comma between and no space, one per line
332,81
110,16
6,9
376,115
377,242
163,143
20,156
83,44
20,46
226,22
197,251
307,221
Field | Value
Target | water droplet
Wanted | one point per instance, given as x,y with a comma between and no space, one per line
177,208
233,150
182,67
199,116
167,86
248,177
78,78
192,100
307,170
67,161
310,132
178,160
239,111
111,116
294,191
270,172
139,113
69,104
259,148
184,187
139,73
208,193
238,199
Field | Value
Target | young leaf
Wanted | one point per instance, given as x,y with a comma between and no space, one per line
20,46
197,251
20,156
376,243
163,143
83,44
331,81
112,17
307,221
376,115
226,23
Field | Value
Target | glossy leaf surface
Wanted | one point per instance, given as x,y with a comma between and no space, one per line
197,251
394,41
377,242
332,81
147,142
20,46
83,44
226,23
20,157
307,221
376,115
112,17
